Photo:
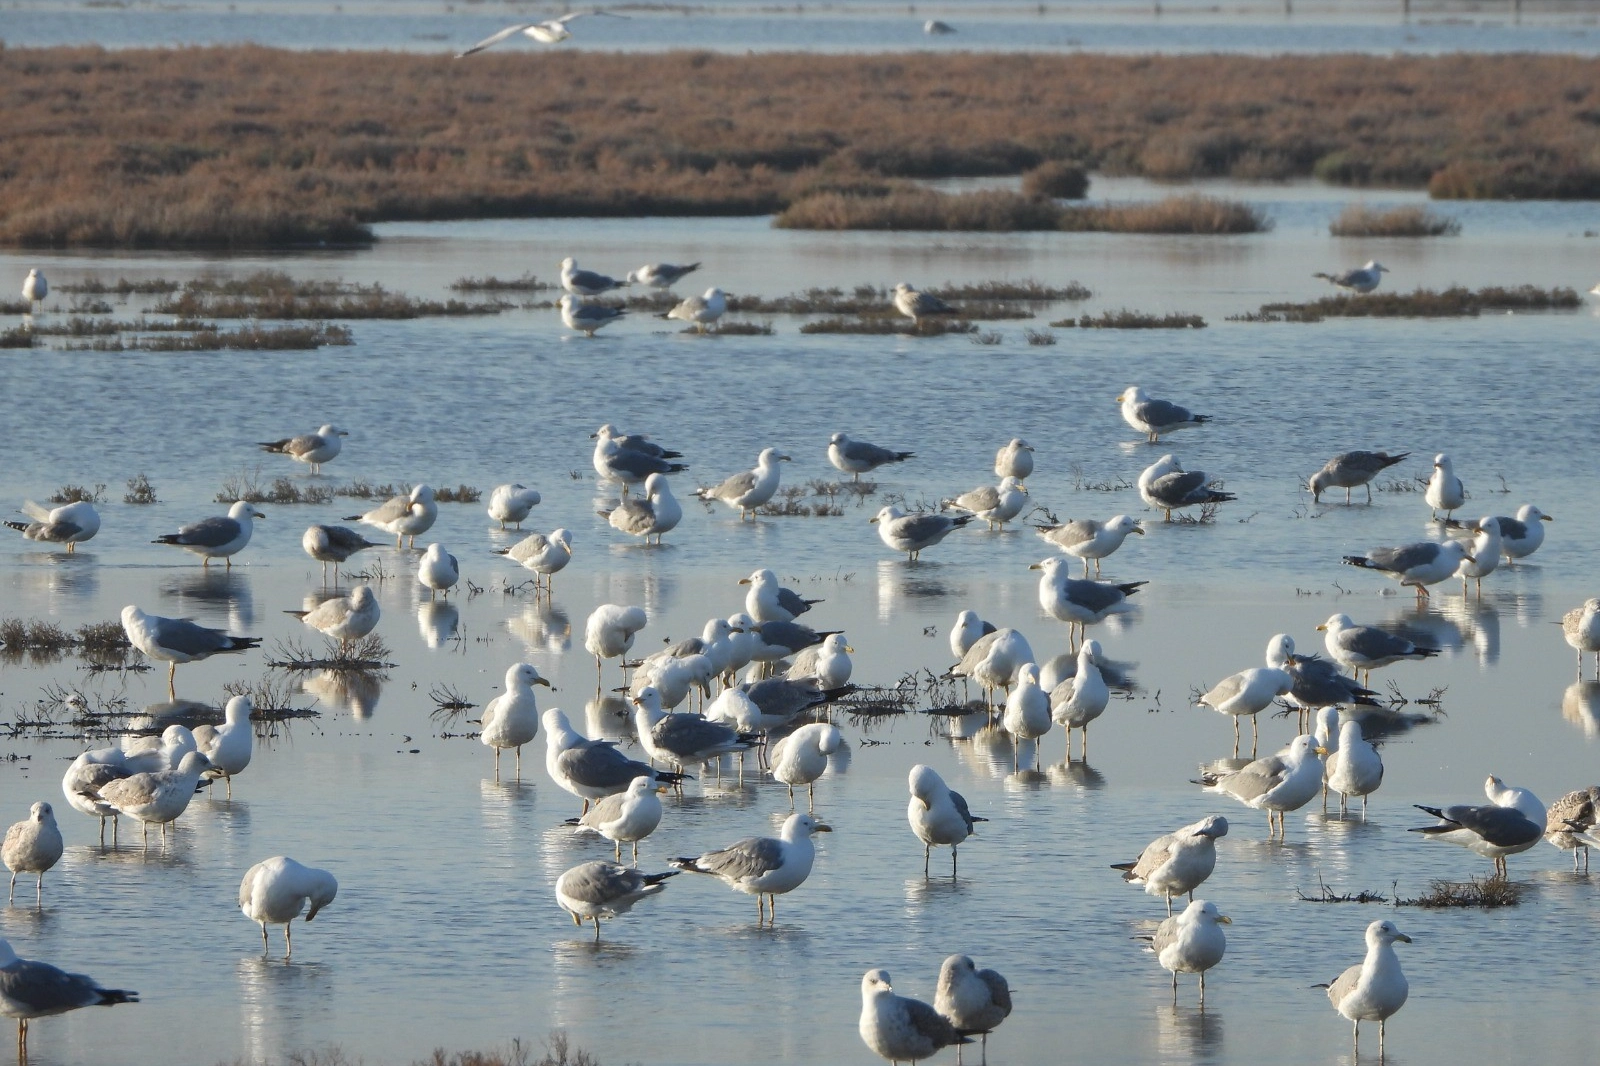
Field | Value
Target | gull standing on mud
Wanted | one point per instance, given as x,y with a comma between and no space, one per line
313,449
857,457
1154,418
918,305
751,489
216,538
1177,862
405,516
552,31
1349,470
1089,538
911,533
70,524
1361,279
701,311
511,503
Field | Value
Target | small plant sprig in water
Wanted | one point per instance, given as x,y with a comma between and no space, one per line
140,491
78,494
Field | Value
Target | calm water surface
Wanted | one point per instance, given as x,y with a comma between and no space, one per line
445,932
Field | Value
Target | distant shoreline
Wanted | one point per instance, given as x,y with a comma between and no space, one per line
252,148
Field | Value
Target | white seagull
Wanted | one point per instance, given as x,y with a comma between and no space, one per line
1153,417
899,1028
763,867
938,814
1191,942
511,719
857,457
911,533
585,318
1089,538
544,554
228,746
1179,862
1445,491
177,640
551,31
32,846
1014,459
511,503
657,513
313,449
701,311
1374,990
275,891
661,275
34,289
405,516
1361,279
624,818
972,1000
751,489
917,305
70,524
216,538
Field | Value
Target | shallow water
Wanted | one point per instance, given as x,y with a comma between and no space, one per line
445,932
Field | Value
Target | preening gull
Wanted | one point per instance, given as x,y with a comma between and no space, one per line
1276,784
802,757
1014,459
972,1000
624,818
701,311
938,814
661,275
1089,538
160,796
899,1028
1374,990
751,489
917,305
218,537
551,31
1178,862
344,618
1445,491
1520,536
995,504
763,867
1191,942
438,570
1581,628
1358,279
313,448
229,746
579,282
1512,822
70,524
609,632
652,515
1348,470
275,891
1004,649
1154,418
31,990
405,516
600,889
630,460
1418,564
35,287
32,846
511,719
1166,485
934,27
177,640
769,601
1362,649
857,457
333,544
511,503
911,533
968,628
544,554
1355,768
584,317
1249,692
1573,814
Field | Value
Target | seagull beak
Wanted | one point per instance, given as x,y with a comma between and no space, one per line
1119,399
1403,938
744,581
1320,751
544,682
784,458
820,828
1323,628
312,913
1036,566
1546,518
1139,530
872,521
1470,558
661,790
1224,919
849,649
636,701
257,514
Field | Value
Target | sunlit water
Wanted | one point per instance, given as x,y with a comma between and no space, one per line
446,933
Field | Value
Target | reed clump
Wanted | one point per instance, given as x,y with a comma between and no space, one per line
1454,302
526,283
1359,221
989,211
77,494
1126,319
16,337
1057,179
253,338
884,325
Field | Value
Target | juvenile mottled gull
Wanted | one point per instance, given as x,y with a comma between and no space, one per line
158,797
1445,491
1365,648
580,282
585,318
938,814
972,1000
333,544
899,1028
624,818
596,890
1191,942
763,867
1014,459
1358,279
917,305
701,311
275,891
751,489
405,516
1166,485
655,513
995,504
1177,862
1090,538
216,538
177,640
1276,784
857,457
1154,418
313,449
661,275
1374,990
511,719
544,554
1576,812
344,618
31,990
1512,822
1347,470
511,503
1419,564
32,846
70,524
911,533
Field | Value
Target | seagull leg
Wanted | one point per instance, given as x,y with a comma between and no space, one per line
927,853
497,764
596,917
172,680
264,945
811,808
288,939
952,862
13,897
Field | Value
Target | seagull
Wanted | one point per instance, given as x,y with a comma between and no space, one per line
177,640
1177,862
633,442
802,757
591,769
609,632
32,846
1081,698
1581,628
585,318
912,533
857,457
1089,538
1365,648
438,570
333,544
344,618
1079,603
1361,279
972,1000
915,305
216,538
1165,484
828,663
31,990
899,1028
768,601
1014,459
701,311
1005,650
935,28
1445,491
938,814
657,513
579,282
1521,535
1419,564
541,553
1317,682
1249,692
1486,549
681,740
1191,942
1154,418
511,503
763,867
966,632
313,449
276,890
995,504
1276,784
661,275
511,719
779,640
624,818
596,890
751,489
160,796
1348,470
1355,768
70,524
229,746
405,516
1512,822
1375,989
553,31
777,702
630,460
34,289
1027,711
82,782
1573,814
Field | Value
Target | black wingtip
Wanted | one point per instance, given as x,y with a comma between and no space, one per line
1124,865
656,879
351,518
1358,560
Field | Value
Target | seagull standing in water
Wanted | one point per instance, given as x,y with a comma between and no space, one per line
1361,279
30,990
